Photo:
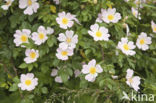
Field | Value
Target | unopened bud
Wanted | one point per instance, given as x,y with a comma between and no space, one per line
95,1
82,6
124,25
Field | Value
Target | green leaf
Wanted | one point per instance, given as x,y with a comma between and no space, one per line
16,79
14,87
50,42
70,71
44,68
64,77
23,66
31,96
44,90
30,67
101,83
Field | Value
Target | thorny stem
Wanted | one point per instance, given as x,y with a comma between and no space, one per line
14,68
102,52
6,69
16,73
83,55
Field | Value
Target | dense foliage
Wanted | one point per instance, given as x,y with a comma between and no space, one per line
113,61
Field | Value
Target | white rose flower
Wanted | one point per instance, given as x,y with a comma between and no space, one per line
110,15
126,46
30,5
68,40
143,41
132,81
31,55
66,20
7,4
22,36
40,36
99,33
92,70
28,82
63,54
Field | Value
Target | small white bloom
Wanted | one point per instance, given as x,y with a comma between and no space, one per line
143,41
7,5
153,25
77,72
92,70
30,5
99,19
66,20
99,33
40,36
58,79
126,0
50,30
132,81
68,40
31,55
126,46
57,2
154,1
136,13
127,30
139,3
110,15
54,72
63,54
75,19
28,82
21,36
114,76
116,52
95,1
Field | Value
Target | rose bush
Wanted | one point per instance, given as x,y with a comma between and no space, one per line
77,51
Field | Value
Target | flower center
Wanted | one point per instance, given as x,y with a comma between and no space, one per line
126,47
98,34
142,41
41,36
32,55
92,70
138,2
134,13
154,29
110,17
64,20
130,80
28,82
64,53
68,40
24,38
8,3
29,2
